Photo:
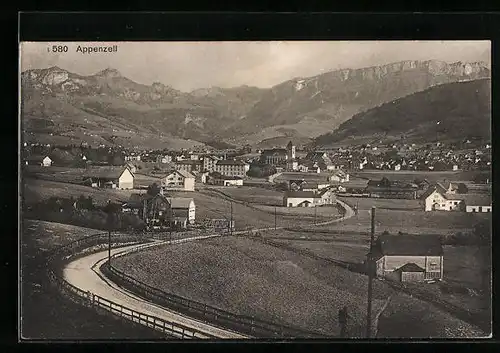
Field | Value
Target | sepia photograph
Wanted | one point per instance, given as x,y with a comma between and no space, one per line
255,190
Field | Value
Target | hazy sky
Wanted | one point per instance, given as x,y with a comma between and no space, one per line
190,65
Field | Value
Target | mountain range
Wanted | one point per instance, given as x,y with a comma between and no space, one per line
62,107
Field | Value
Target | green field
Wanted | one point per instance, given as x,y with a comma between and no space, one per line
322,213
46,313
467,269
35,190
410,175
143,181
246,276
59,174
46,236
365,203
412,222
255,195
210,205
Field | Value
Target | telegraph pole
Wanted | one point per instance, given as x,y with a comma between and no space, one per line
110,223
370,277
275,219
231,222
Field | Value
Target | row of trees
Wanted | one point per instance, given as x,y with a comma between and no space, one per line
261,170
83,212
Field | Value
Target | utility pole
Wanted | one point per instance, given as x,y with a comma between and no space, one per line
370,277
110,224
231,221
275,219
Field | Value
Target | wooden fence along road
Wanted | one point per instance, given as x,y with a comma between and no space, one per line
83,282
84,275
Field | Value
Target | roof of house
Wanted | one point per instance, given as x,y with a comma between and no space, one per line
477,199
188,162
105,172
309,164
230,162
225,177
300,194
430,191
274,151
410,267
446,185
183,173
290,144
409,245
180,202
325,191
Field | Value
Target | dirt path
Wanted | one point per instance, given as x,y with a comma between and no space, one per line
84,274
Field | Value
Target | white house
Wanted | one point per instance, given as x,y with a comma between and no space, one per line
110,177
436,198
178,180
301,199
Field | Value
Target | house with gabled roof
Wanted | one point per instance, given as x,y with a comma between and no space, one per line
178,180
109,177
183,210
300,199
162,210
408,257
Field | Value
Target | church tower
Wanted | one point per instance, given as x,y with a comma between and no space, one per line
291,162
291,151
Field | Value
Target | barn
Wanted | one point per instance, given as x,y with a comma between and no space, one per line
110,177
391,253
300,199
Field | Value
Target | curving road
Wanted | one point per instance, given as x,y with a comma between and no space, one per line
84,274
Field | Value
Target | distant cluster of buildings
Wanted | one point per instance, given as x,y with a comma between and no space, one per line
411,157
285,159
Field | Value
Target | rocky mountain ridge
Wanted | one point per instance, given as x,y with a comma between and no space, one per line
301,108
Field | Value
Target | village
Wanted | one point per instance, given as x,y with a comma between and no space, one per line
314,179
235,197
228,192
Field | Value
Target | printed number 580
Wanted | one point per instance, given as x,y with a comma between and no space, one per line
58,49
